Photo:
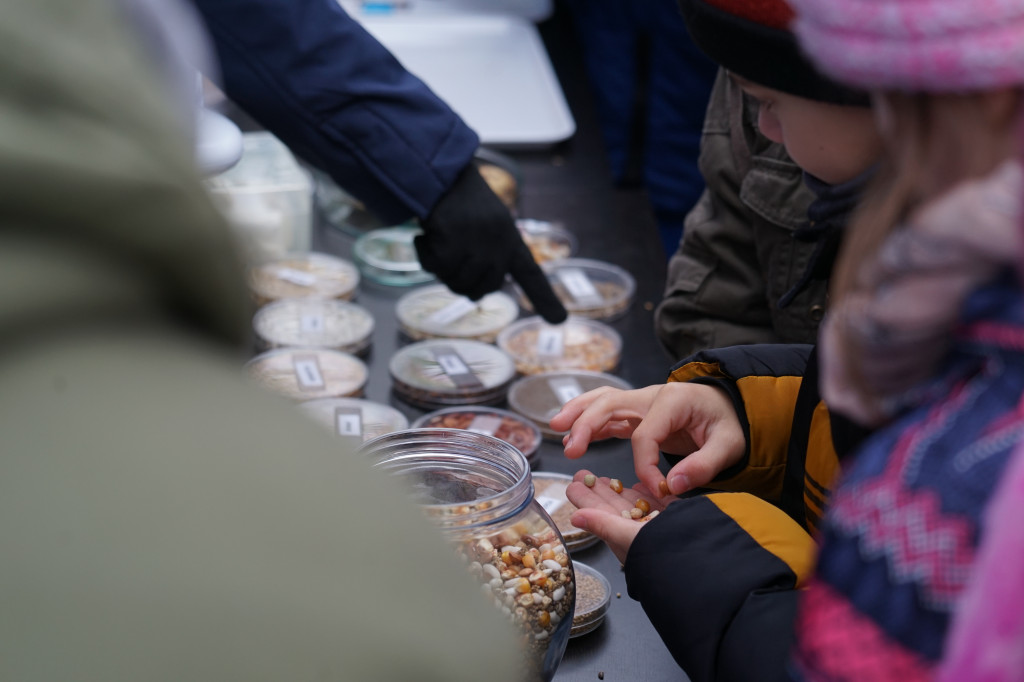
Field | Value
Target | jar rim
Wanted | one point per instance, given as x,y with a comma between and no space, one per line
465,458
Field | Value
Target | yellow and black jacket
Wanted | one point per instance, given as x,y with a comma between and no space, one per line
717,572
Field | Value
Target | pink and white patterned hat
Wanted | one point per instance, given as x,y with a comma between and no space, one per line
917,45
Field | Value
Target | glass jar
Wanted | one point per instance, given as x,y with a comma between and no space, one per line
478,490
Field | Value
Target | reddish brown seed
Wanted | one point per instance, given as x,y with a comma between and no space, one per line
615,485
643,505
663,487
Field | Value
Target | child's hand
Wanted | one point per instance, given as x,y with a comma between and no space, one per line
601,510
693,420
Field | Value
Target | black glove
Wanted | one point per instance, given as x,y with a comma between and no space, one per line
470,241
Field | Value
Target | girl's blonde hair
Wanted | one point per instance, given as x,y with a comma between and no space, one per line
933,142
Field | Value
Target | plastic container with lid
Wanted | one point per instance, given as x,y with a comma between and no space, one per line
539,397
577,343
547,241
508,426
434,311
355,418
589,288
442,372
314,323
549,490
593,596
388,256
303,275
308,373
478,490
267,198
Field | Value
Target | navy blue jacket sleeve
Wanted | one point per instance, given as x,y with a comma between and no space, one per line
309,73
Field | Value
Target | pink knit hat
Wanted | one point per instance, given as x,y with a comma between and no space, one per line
921,45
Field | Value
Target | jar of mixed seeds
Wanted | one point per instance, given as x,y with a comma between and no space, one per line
479,491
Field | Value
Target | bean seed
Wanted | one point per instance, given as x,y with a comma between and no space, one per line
589,480
616,485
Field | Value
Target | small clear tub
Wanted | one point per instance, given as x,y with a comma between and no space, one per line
502,424
593,596
388,256
547,241
354,418
577,343
539,397
308,373
443,372
589,288
434,311
303,275
314,323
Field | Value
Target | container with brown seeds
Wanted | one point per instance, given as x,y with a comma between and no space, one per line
508,426
577,343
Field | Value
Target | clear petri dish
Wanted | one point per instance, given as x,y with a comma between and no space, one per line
314,323
589,288
549,491
303,275
593,596
434,311
307,373
547,241
577,343
354,418
388,256
502,424
539,397
442,372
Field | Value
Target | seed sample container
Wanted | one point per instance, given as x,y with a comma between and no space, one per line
353,418
433,312
539,397
589,288
593,595
477,490
502,424
308,373
443,372
547,241
314,323
306,275
577,343
388,256
549,491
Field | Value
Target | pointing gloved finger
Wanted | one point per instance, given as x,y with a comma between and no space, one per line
535,286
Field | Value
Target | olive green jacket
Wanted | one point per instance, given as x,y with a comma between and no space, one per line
160,519
738,255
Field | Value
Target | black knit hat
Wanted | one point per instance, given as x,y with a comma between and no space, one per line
749,38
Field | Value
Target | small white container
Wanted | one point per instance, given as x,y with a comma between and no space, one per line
303,275
354,417
441,372
314,323
308,373
433,312
589,288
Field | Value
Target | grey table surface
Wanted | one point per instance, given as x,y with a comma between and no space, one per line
571,184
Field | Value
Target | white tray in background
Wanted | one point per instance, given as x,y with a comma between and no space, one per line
534,10
492,70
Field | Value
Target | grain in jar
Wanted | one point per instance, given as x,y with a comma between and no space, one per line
577,343
502,424
303,275
308,373
314,323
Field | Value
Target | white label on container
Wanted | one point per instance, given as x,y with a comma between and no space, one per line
578,285
312,323
487,424
455,310
303,279
550,342
452,365
565,388
348,421
550,504
307,371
